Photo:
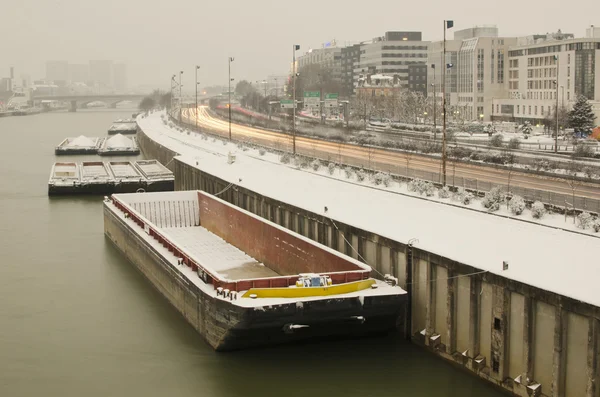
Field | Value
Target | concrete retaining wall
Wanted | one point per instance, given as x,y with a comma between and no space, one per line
509,333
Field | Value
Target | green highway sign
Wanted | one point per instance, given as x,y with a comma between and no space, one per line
286,104
331,96
312,94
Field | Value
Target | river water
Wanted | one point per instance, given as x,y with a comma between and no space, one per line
77,320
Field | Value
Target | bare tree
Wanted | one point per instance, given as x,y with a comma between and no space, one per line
363,105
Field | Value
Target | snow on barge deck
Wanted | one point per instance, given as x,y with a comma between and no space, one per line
243,281
79,145
97,177
127,126
119,145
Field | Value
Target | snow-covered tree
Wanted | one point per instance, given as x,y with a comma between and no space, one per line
538,210
585,220
516,205
526,129
581,117
493,199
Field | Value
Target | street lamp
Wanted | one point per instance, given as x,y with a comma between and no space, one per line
556,95
173,82
434,104
180,98
295,48
196,111
230,59
447,25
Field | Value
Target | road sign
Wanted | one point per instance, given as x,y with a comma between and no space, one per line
312,99
331,100
286,104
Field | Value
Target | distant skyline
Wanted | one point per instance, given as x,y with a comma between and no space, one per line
157,39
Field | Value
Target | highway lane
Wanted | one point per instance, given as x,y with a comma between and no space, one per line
388,160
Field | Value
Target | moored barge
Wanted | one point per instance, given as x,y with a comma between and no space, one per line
243,281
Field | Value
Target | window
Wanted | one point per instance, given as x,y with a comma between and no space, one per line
530,109
568,96
518,108
568,71
569,58
535,110
542,110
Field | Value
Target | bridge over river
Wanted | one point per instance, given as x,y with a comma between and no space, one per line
81,101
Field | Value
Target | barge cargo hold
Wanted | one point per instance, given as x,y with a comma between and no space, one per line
127,126
242,281
79,145
97,177
119,145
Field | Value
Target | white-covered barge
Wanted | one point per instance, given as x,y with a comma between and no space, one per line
243,281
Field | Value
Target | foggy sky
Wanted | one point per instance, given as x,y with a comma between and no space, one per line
158,38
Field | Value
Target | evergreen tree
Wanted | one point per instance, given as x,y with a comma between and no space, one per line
581,118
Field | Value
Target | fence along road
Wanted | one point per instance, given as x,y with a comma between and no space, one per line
551,190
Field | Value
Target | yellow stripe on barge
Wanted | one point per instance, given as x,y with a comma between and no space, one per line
304,292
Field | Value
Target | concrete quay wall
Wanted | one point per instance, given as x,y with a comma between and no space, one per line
523,339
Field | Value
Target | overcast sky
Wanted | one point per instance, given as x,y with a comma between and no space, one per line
158,38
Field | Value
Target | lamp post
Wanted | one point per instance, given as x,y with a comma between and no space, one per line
447,25
230,59
173,82
434,104
196,111
556,94
180,98
295,48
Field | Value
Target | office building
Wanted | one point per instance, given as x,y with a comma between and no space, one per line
120,77
79,73
57,72
548,71
350,56
417,78
101,73
476,72
391,55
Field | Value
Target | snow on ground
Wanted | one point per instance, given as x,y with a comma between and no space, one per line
552,259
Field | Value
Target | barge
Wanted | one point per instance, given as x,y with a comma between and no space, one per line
119,145
126,126
159,178
97,177
79,145
243,281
